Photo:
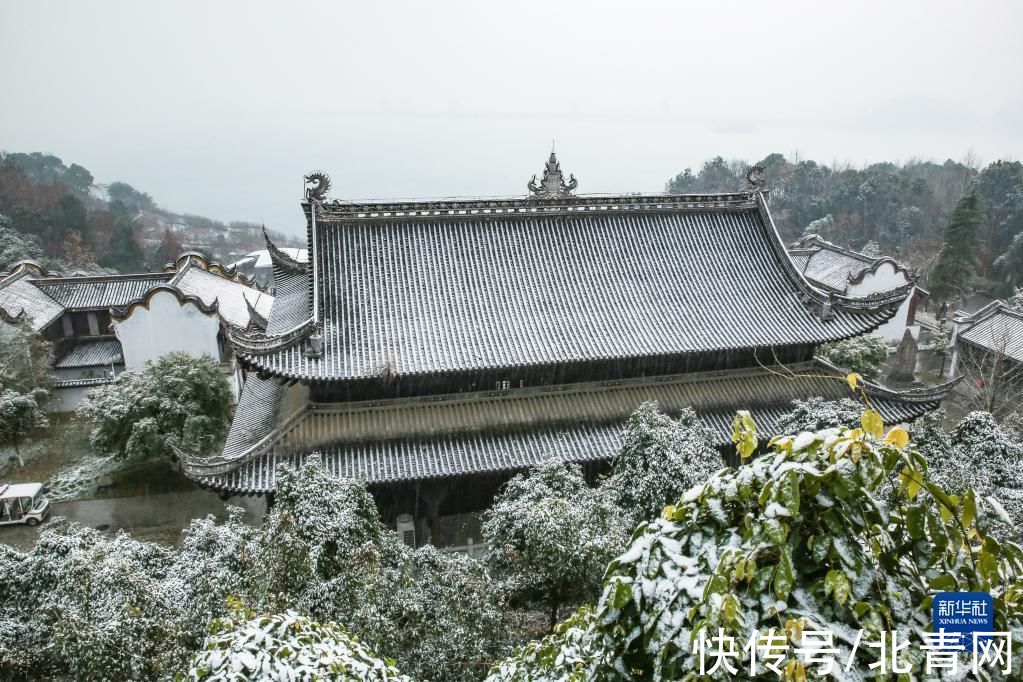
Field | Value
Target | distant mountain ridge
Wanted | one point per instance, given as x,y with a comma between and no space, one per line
59,214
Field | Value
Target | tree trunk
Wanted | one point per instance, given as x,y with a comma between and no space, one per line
555,606
17,451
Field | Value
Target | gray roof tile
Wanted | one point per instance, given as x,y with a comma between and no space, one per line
102,352
995,328
85,293
438,293
416,438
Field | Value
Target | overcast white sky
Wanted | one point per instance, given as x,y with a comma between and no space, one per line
218,108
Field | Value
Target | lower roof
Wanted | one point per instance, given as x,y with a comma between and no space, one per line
995,328
411,439
92,353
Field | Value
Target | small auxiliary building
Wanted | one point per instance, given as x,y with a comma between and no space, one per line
432,349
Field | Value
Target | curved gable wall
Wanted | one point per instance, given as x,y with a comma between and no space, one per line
165,326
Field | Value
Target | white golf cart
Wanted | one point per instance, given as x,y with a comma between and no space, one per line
23,503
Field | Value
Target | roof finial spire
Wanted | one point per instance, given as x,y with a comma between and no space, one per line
553,184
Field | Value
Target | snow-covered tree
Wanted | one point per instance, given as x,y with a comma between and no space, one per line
659,459
286,646
20,417
212,562
814,414
323,551
565,655
176,401
321,531
1016,300
452,615
791,542
817,226
26,360
976,454
87,606
15,246
1013,424
860,354
551,535
871,249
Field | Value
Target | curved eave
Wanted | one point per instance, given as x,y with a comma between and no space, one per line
921,394
280,260
491,432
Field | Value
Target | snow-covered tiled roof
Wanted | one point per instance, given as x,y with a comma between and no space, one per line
98,293
996,328
435,436
465,286
101,352
833,267
229,294
20,298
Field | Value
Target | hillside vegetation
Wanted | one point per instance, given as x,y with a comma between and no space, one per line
60,215
905,210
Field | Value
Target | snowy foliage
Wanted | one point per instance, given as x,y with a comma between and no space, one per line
84,604
562,656
320,529
938,342
817,226
550,536
20,416
452,614
78,479
795,540
871,249
1016,300
324,551
15,246
286,646
861,354
176,401
93,607
212,563
815,414
977,454
659,459
26,361
1013,425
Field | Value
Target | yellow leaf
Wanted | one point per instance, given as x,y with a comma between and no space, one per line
668,512
910,483
898,437
852,379
872,423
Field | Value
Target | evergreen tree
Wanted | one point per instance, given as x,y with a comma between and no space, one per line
169,249
958,258
124,253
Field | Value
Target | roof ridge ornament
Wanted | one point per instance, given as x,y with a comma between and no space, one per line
320,182
755,181
553,184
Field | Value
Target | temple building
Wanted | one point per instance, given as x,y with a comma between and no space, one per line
433,349
101,325
851,273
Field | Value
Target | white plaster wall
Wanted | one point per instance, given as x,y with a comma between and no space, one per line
886,278
67,399
166,327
